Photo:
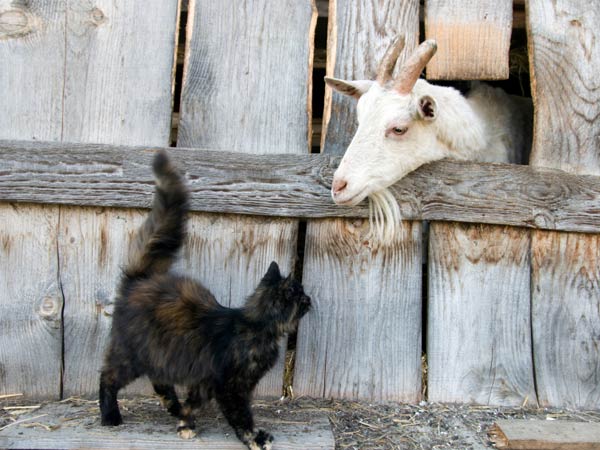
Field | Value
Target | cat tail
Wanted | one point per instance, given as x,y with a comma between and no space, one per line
162,234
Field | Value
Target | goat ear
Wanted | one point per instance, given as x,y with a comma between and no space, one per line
427,107
352,88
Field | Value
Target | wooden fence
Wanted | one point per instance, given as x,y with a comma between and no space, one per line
507,301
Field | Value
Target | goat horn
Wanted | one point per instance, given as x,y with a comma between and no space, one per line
412,68
387,64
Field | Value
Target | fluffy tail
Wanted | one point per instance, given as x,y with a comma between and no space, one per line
162,234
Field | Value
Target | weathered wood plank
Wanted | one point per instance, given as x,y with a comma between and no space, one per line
117,90
363,337
550,435
236,95
157,431
297,185
566,279
235,92
32,55
479,338
566,326
564,64
473,39
31,303
31,86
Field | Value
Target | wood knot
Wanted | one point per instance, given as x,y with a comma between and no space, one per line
50,308
97,17
544,220
16,23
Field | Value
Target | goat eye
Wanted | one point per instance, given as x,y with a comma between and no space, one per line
396,131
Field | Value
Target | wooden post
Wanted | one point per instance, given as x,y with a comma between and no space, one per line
247,78
564,65
478,317
31,55
363,337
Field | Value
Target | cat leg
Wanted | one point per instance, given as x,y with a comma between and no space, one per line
187,422
111,381
236,409
168,398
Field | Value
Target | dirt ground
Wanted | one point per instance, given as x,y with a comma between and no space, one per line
355,425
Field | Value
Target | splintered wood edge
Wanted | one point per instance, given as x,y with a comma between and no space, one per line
497,437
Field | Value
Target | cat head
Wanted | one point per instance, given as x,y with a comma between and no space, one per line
279,299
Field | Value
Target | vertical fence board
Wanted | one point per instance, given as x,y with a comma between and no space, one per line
31,85
93,245
118,80
566,321
363,337
479,333
246,87
474,287
473,38
565,62
30,303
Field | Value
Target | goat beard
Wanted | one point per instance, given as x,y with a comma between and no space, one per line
385,219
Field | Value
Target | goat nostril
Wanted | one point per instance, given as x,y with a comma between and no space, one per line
338,186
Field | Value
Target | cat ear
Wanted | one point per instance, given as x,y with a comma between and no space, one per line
273,274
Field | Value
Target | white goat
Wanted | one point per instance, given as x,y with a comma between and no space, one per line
406,122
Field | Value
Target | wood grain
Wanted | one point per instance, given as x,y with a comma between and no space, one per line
566,288
363,337
566,324
237,95
473,39
118,78
31,303
479,330
31,86
296,185
545,435
247,76
564,64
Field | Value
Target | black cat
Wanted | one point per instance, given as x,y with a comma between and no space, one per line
172,329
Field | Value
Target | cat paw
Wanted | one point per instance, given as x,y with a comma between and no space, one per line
185,431
112,419
262,441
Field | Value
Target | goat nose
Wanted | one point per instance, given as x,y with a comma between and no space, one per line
338,186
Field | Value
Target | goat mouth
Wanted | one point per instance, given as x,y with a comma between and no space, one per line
353,200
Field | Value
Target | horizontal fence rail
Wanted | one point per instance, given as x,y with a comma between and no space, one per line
296,185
